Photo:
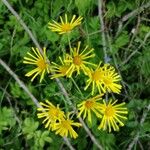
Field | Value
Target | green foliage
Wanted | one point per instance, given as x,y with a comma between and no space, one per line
30,126
83,6
18,93
121,41
144,62
19,128
117,8
38,137
107,140
7,119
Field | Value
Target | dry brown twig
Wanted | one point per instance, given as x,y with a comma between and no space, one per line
137,136
134,52
100,2
131,14
8,96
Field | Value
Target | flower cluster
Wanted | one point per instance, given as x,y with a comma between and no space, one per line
109,114
56,120
100,79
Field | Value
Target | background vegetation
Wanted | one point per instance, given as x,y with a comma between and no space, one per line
127,32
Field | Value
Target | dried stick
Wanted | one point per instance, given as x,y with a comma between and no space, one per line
9,101
135,139
57,80
22,23
131,14
68,143
23,86
135,12
102,29
90,134
134,52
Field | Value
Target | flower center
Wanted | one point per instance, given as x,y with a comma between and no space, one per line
89,104
53,112
66,124
64,69
97,75
41,64
77,60
109,112
66,27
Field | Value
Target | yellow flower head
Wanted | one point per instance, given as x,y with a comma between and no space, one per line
104,79
78,59
64,128
65,26
39,61
51,114
59,70
88,106
112,114
110,79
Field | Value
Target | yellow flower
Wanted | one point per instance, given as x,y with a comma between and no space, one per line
104,79
39,61
65,27
51,114
110,79
59,70
78,59
112,114
88,106
64,128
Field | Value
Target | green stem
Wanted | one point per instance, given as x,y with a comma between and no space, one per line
69,42
106,97
77,87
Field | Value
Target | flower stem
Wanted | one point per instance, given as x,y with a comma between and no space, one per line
68,37
77,87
